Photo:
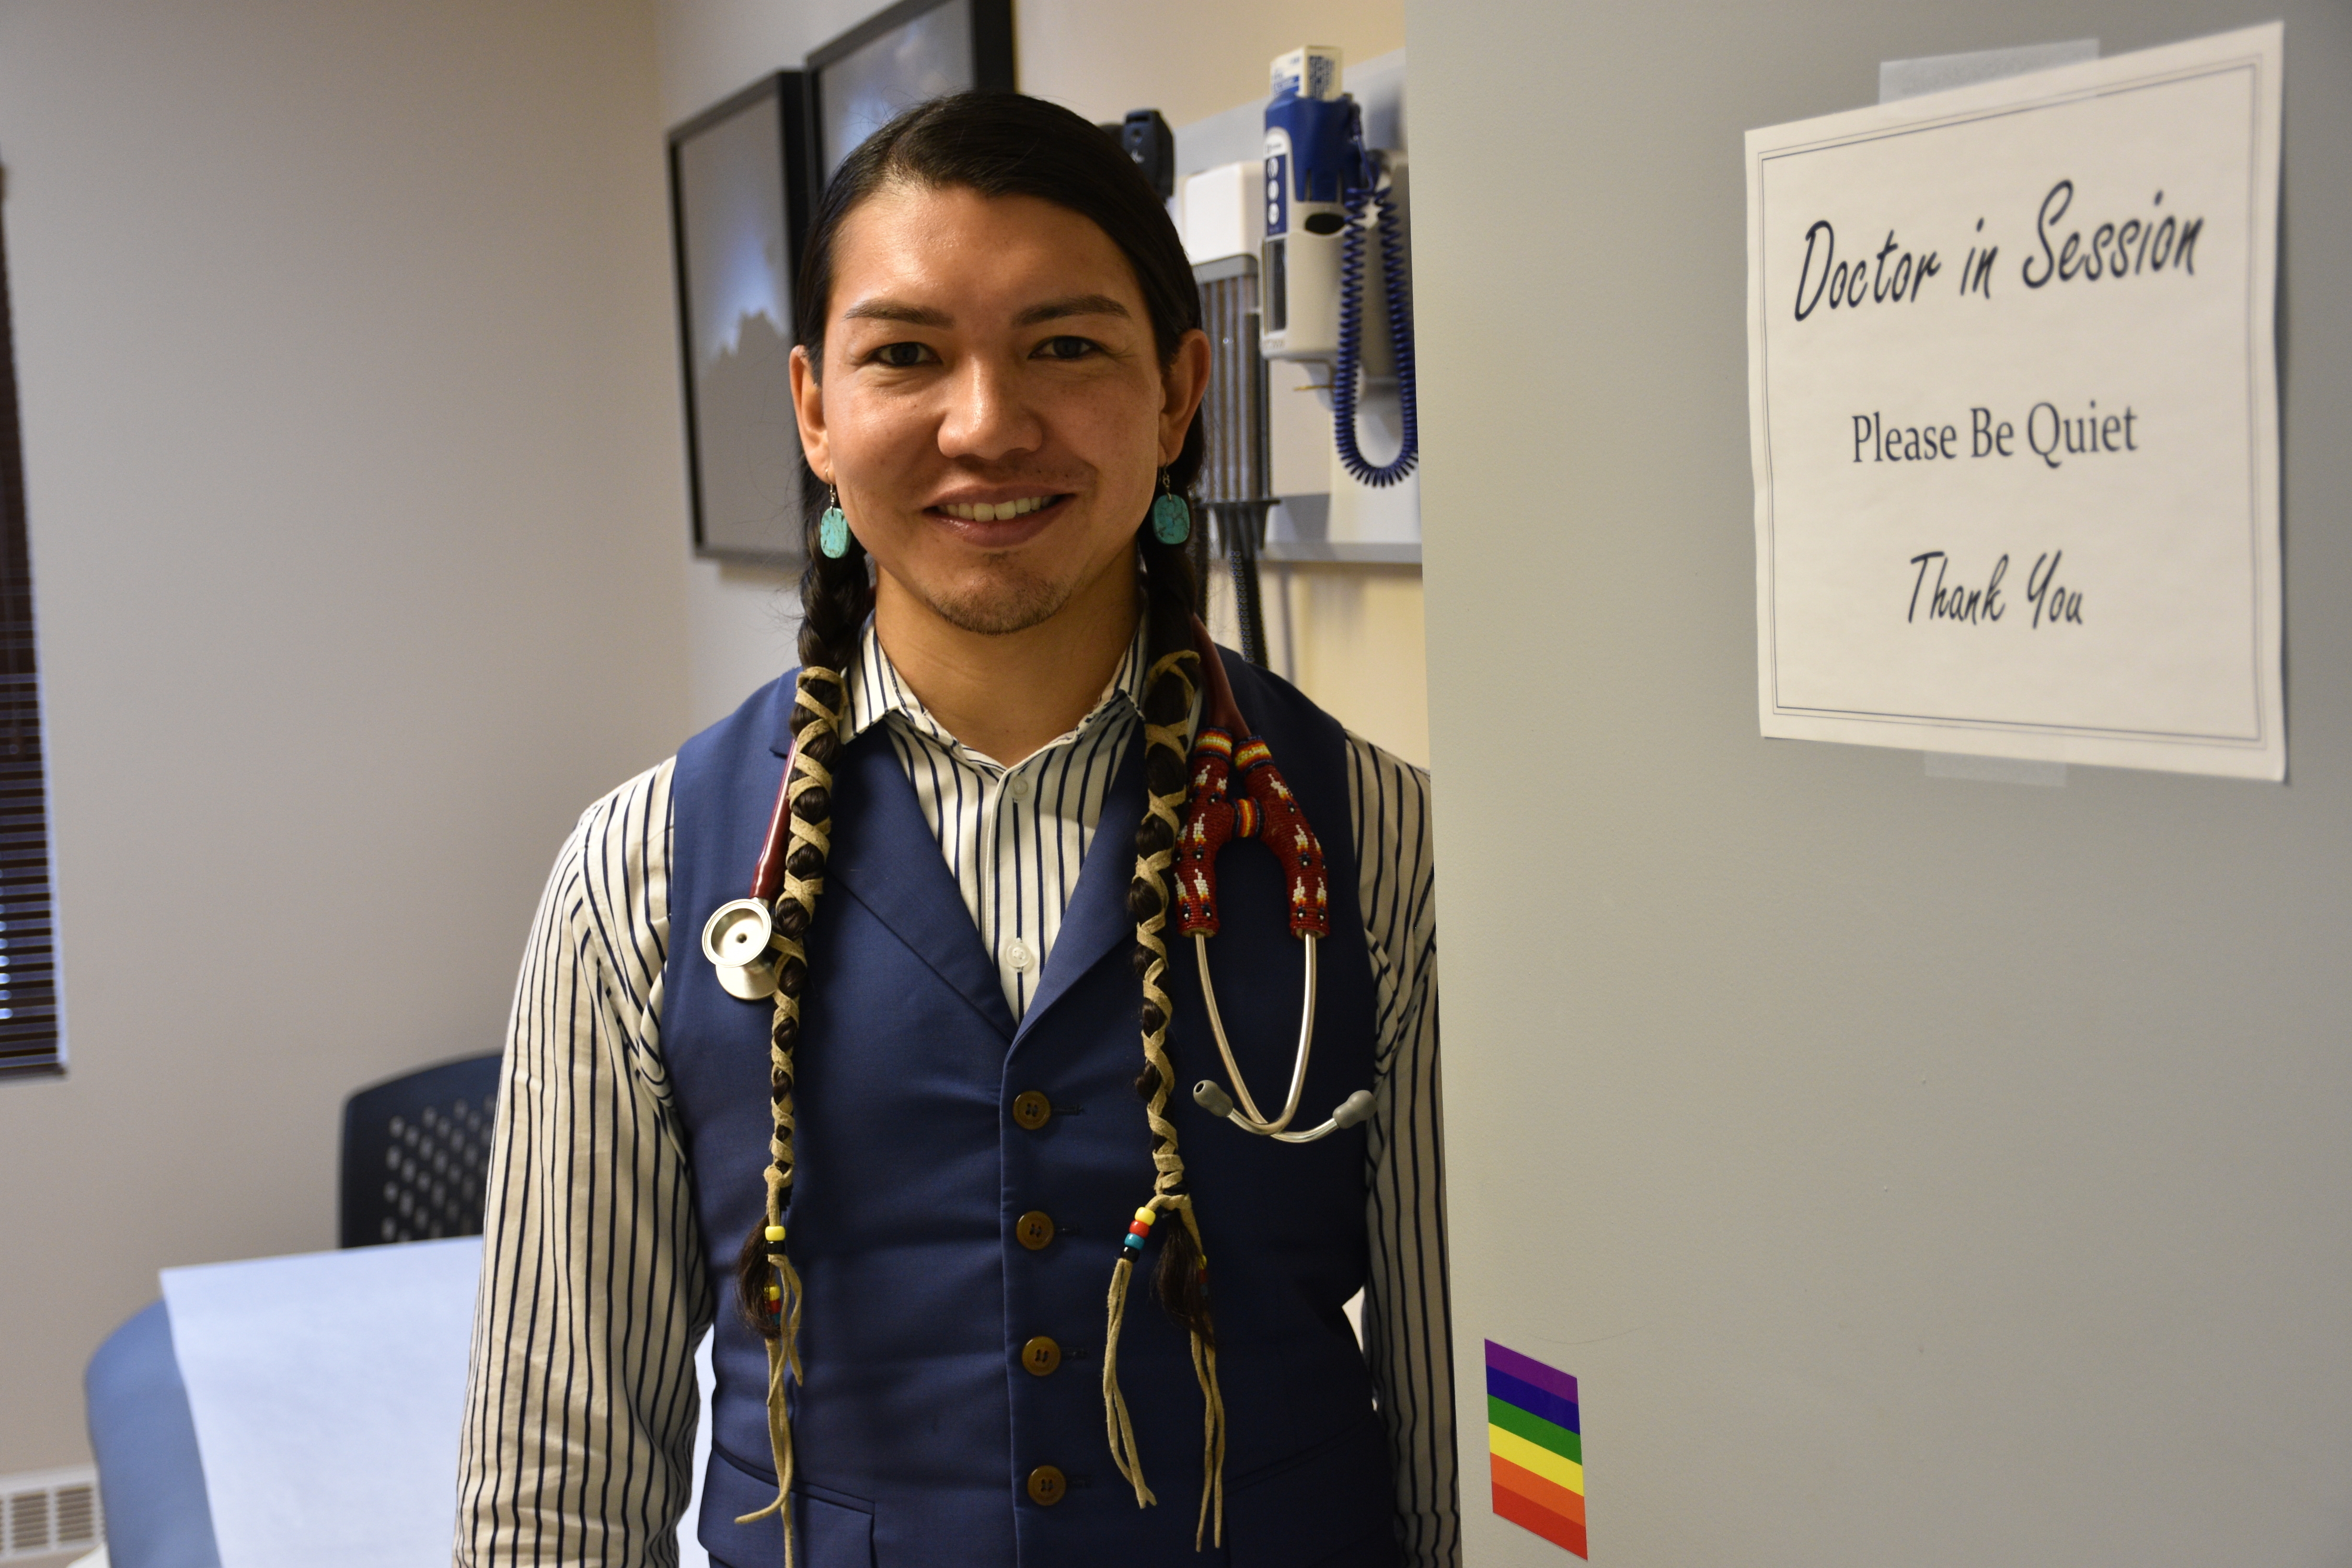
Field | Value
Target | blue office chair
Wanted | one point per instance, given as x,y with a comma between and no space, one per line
413,1150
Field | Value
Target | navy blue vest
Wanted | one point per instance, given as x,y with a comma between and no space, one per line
917,1425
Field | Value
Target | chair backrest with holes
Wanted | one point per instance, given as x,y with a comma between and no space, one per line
413,1152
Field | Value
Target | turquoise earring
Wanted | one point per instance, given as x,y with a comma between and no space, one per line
833,527
1171,519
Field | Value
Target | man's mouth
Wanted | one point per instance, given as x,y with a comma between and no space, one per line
999,512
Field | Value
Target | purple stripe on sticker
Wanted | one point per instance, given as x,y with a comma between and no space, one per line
1529,1370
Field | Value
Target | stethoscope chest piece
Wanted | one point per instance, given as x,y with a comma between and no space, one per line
738,940
739,937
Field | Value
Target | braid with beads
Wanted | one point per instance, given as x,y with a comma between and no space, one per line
1171,684
1168,701
835,598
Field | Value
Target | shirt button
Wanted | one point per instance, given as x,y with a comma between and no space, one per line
1046,1485
1021,955
1033,1229
1020,787
1040,1356
1031,1110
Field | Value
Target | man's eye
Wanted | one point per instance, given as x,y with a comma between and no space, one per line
1067,348
901,356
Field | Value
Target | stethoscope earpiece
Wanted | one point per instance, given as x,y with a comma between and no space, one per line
1211,1097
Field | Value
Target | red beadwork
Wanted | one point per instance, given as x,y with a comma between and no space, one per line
1208,827
1264,809
1284,831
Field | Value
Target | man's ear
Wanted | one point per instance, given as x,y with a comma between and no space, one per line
1183,384
808,410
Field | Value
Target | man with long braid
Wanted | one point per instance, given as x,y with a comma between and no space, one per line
900,1185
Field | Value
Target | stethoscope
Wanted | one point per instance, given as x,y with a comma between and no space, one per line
739,938
743,945
1264,809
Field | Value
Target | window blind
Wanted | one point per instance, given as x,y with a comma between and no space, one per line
32,1038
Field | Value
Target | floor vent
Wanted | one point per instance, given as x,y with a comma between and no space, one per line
47,1513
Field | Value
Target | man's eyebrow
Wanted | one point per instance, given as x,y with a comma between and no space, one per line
892,310
1075,305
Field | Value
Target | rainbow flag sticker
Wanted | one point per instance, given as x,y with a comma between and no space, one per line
1536,1442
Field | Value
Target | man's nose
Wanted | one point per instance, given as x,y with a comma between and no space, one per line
988,417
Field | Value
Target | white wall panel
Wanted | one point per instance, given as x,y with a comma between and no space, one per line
1912,1170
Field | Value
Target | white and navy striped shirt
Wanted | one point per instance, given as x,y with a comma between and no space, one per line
1014,836
580,1408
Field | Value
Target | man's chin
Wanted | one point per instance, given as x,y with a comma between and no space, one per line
1002,607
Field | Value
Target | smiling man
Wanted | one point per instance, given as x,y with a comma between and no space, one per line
897,1138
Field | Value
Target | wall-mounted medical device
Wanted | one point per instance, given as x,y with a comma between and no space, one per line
1325,197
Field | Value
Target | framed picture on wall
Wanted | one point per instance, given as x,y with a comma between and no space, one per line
896,58
739,191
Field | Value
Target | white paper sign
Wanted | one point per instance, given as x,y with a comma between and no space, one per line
2014,417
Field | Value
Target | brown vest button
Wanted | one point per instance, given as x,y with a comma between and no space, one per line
1046,1484
1034,1228
1041,1356
1031,1110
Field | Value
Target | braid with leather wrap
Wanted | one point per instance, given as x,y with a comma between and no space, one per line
1171,688
835,598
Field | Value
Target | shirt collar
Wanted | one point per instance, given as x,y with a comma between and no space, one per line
877,692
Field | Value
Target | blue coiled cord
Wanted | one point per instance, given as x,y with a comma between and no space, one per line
1351,328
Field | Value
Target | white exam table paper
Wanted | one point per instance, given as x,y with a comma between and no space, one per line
327,1390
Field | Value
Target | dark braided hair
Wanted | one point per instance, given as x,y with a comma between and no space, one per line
996,145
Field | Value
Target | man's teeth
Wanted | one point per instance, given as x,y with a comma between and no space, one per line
982,512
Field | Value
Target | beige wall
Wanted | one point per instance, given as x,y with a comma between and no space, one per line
344,340
1348,635
1351,635
1188,60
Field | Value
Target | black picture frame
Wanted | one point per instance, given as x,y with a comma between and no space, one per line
739,178
985,44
